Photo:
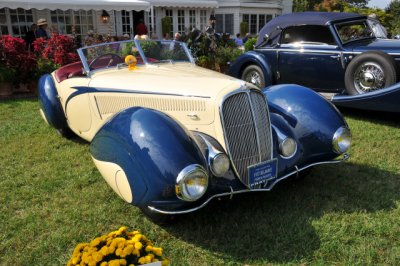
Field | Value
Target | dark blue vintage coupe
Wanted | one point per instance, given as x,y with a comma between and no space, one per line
344,54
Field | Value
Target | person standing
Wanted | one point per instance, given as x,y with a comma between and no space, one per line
41,31
30,37
141,28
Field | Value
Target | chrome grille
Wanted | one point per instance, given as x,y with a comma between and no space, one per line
247,129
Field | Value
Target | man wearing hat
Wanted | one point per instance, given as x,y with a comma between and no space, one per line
41,30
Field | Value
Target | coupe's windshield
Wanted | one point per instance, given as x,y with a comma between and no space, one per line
354,30
113,54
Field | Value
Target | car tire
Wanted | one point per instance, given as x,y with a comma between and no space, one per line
254,75
368,72
65,133
158,218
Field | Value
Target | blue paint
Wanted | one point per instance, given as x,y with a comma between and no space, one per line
317,120
50,104
319,67
151,148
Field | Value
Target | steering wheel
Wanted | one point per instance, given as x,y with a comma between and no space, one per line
101,60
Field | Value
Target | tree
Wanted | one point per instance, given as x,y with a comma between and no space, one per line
326,5
393,10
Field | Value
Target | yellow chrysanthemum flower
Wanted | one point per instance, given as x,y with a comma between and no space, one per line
113,263
122,262
142,260
118,252
149,248
95,242
157,251
104,263
164,262
138,245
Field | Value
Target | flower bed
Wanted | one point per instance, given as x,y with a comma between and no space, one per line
118,248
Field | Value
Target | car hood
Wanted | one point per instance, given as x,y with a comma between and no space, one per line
386,45
170,79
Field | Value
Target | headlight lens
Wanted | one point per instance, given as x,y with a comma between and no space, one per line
219,164
341,140
191,183
288,147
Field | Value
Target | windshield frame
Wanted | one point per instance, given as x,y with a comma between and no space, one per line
137,43
365,21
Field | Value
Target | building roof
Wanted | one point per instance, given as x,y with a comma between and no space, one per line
77,5
185,3
304,18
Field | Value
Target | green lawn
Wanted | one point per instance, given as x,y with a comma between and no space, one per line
52,197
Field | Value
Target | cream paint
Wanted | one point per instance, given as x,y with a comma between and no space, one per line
116,178
194,102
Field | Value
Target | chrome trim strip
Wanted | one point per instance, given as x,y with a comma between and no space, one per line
345,157
302,50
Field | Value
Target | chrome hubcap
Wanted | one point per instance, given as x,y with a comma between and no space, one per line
369,77
253,77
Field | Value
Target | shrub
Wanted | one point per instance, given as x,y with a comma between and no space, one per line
244,28
166,23
59,49
117,248
17,59
249,45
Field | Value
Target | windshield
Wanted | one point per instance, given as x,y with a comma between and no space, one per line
378,29
113,54
353,31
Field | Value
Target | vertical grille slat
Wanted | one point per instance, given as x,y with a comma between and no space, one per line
247,129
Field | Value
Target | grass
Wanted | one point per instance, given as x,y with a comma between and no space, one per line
52,197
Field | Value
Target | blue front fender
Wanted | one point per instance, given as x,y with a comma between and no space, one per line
251,58
313,119
50,104
151,148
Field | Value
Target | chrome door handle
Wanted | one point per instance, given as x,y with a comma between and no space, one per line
335,56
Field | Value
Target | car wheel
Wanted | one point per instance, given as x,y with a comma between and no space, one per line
368,72
254,75
158,218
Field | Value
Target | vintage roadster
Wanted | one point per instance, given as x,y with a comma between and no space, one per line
169,136
346,56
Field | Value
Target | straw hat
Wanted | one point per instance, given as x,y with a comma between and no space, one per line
41,21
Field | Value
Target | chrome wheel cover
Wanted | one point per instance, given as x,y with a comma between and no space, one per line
253,77
369,77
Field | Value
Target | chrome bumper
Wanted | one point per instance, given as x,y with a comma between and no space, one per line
231,193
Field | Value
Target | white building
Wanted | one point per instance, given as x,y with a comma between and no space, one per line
118,17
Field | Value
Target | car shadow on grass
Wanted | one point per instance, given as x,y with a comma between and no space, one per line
277,226
382,118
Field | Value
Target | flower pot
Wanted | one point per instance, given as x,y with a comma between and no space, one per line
6,89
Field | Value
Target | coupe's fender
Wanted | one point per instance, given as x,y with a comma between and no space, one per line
313,119
50,104
140,153
251,58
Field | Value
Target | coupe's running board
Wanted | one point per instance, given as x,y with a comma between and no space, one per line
231,193
385,100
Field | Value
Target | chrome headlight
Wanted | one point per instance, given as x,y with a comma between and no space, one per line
341,140
219,164
191,183
287,147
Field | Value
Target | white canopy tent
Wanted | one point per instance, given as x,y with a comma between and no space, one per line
185,3
117,5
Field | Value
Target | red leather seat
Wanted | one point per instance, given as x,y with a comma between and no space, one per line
69,71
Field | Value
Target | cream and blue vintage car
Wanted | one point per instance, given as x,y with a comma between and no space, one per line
169,136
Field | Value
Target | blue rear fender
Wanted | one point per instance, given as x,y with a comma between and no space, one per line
251,58
309,117
151,148
50,104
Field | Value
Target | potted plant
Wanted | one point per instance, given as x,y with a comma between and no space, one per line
7,77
